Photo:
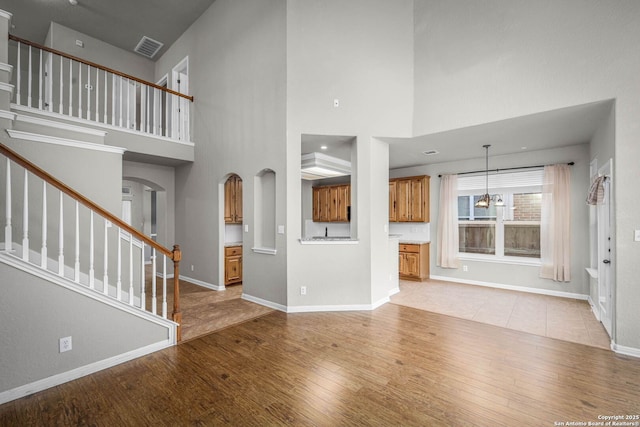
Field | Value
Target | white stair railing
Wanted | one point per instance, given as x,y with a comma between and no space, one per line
117,99
118,247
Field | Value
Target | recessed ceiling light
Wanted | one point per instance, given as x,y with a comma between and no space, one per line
323,147
73,2
430,152
523,148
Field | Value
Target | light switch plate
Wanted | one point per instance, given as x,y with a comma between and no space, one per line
246,228
281,229
636,236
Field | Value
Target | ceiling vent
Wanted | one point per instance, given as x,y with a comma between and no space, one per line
148,47
430,152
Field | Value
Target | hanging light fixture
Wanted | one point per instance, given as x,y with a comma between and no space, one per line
486,199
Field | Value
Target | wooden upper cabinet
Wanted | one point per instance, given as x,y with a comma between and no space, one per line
392,201
331,203
233,200
409,199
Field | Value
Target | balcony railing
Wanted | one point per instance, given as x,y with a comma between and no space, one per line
55,82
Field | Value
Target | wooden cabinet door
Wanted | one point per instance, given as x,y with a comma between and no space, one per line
344,201
233,200
418,203
412,264
330,203
403,199
229,207
334,208
233,270
238,199
316,204
392,202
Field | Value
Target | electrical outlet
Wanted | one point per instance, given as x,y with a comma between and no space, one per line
303,290
336,102
465,268
191,267
65,344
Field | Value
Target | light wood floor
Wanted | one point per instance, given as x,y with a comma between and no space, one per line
393,366
554,317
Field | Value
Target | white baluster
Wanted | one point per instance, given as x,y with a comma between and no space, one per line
105,97
128,104
43,252
88,92
70,87
135,107
61,238
148,110
154,299
120,101
8,228
130,269
76,275
119,270
29,79
91,252
164,287
155,111
40,85
105,277
18,75
25,219
79,90
143,294
97,94
113,99
61,106
143,108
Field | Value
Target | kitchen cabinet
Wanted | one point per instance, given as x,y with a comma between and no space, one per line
331,203
413,261
409,199
232,265
233,200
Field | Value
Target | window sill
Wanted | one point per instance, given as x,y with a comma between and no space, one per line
534,262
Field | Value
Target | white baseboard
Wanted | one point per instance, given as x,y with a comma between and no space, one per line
264,302
203,284
55,380
627,351
594,309
512,287
394,291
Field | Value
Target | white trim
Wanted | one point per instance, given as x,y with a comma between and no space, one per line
593,272
99,124
394,291
60,125
5,14
329,241
346,307
7,68
512,287
201,283
594,308
7,87
627,351
55,380
513,260
266,251
264,302
34,137
4,114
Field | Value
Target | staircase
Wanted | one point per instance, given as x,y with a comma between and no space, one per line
66,246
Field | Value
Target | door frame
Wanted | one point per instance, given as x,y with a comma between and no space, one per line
605,251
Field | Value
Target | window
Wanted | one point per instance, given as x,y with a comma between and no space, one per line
510,230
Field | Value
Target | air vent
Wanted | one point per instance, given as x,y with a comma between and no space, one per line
126,190
430,152
148,47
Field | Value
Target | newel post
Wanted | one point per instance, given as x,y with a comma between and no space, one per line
177,315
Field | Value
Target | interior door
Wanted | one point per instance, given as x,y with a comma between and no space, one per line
605,259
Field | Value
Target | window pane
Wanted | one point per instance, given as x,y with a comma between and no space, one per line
526,206
463,207
522,240
484,213
477,238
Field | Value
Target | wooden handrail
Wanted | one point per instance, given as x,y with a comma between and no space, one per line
93,64
17,158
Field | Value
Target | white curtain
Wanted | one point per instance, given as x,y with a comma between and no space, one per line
447,237
555,224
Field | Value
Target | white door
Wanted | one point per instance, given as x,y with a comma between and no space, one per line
180,106
605,259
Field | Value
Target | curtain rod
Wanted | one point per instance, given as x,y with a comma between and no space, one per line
504,169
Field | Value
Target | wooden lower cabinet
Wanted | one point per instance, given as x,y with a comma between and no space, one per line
413,261
232,265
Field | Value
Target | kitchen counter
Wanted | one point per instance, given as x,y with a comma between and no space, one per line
413,242
228,244
335,240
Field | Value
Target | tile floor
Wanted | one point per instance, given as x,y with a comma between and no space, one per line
554,317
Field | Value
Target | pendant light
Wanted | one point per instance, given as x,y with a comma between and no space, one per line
486,199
